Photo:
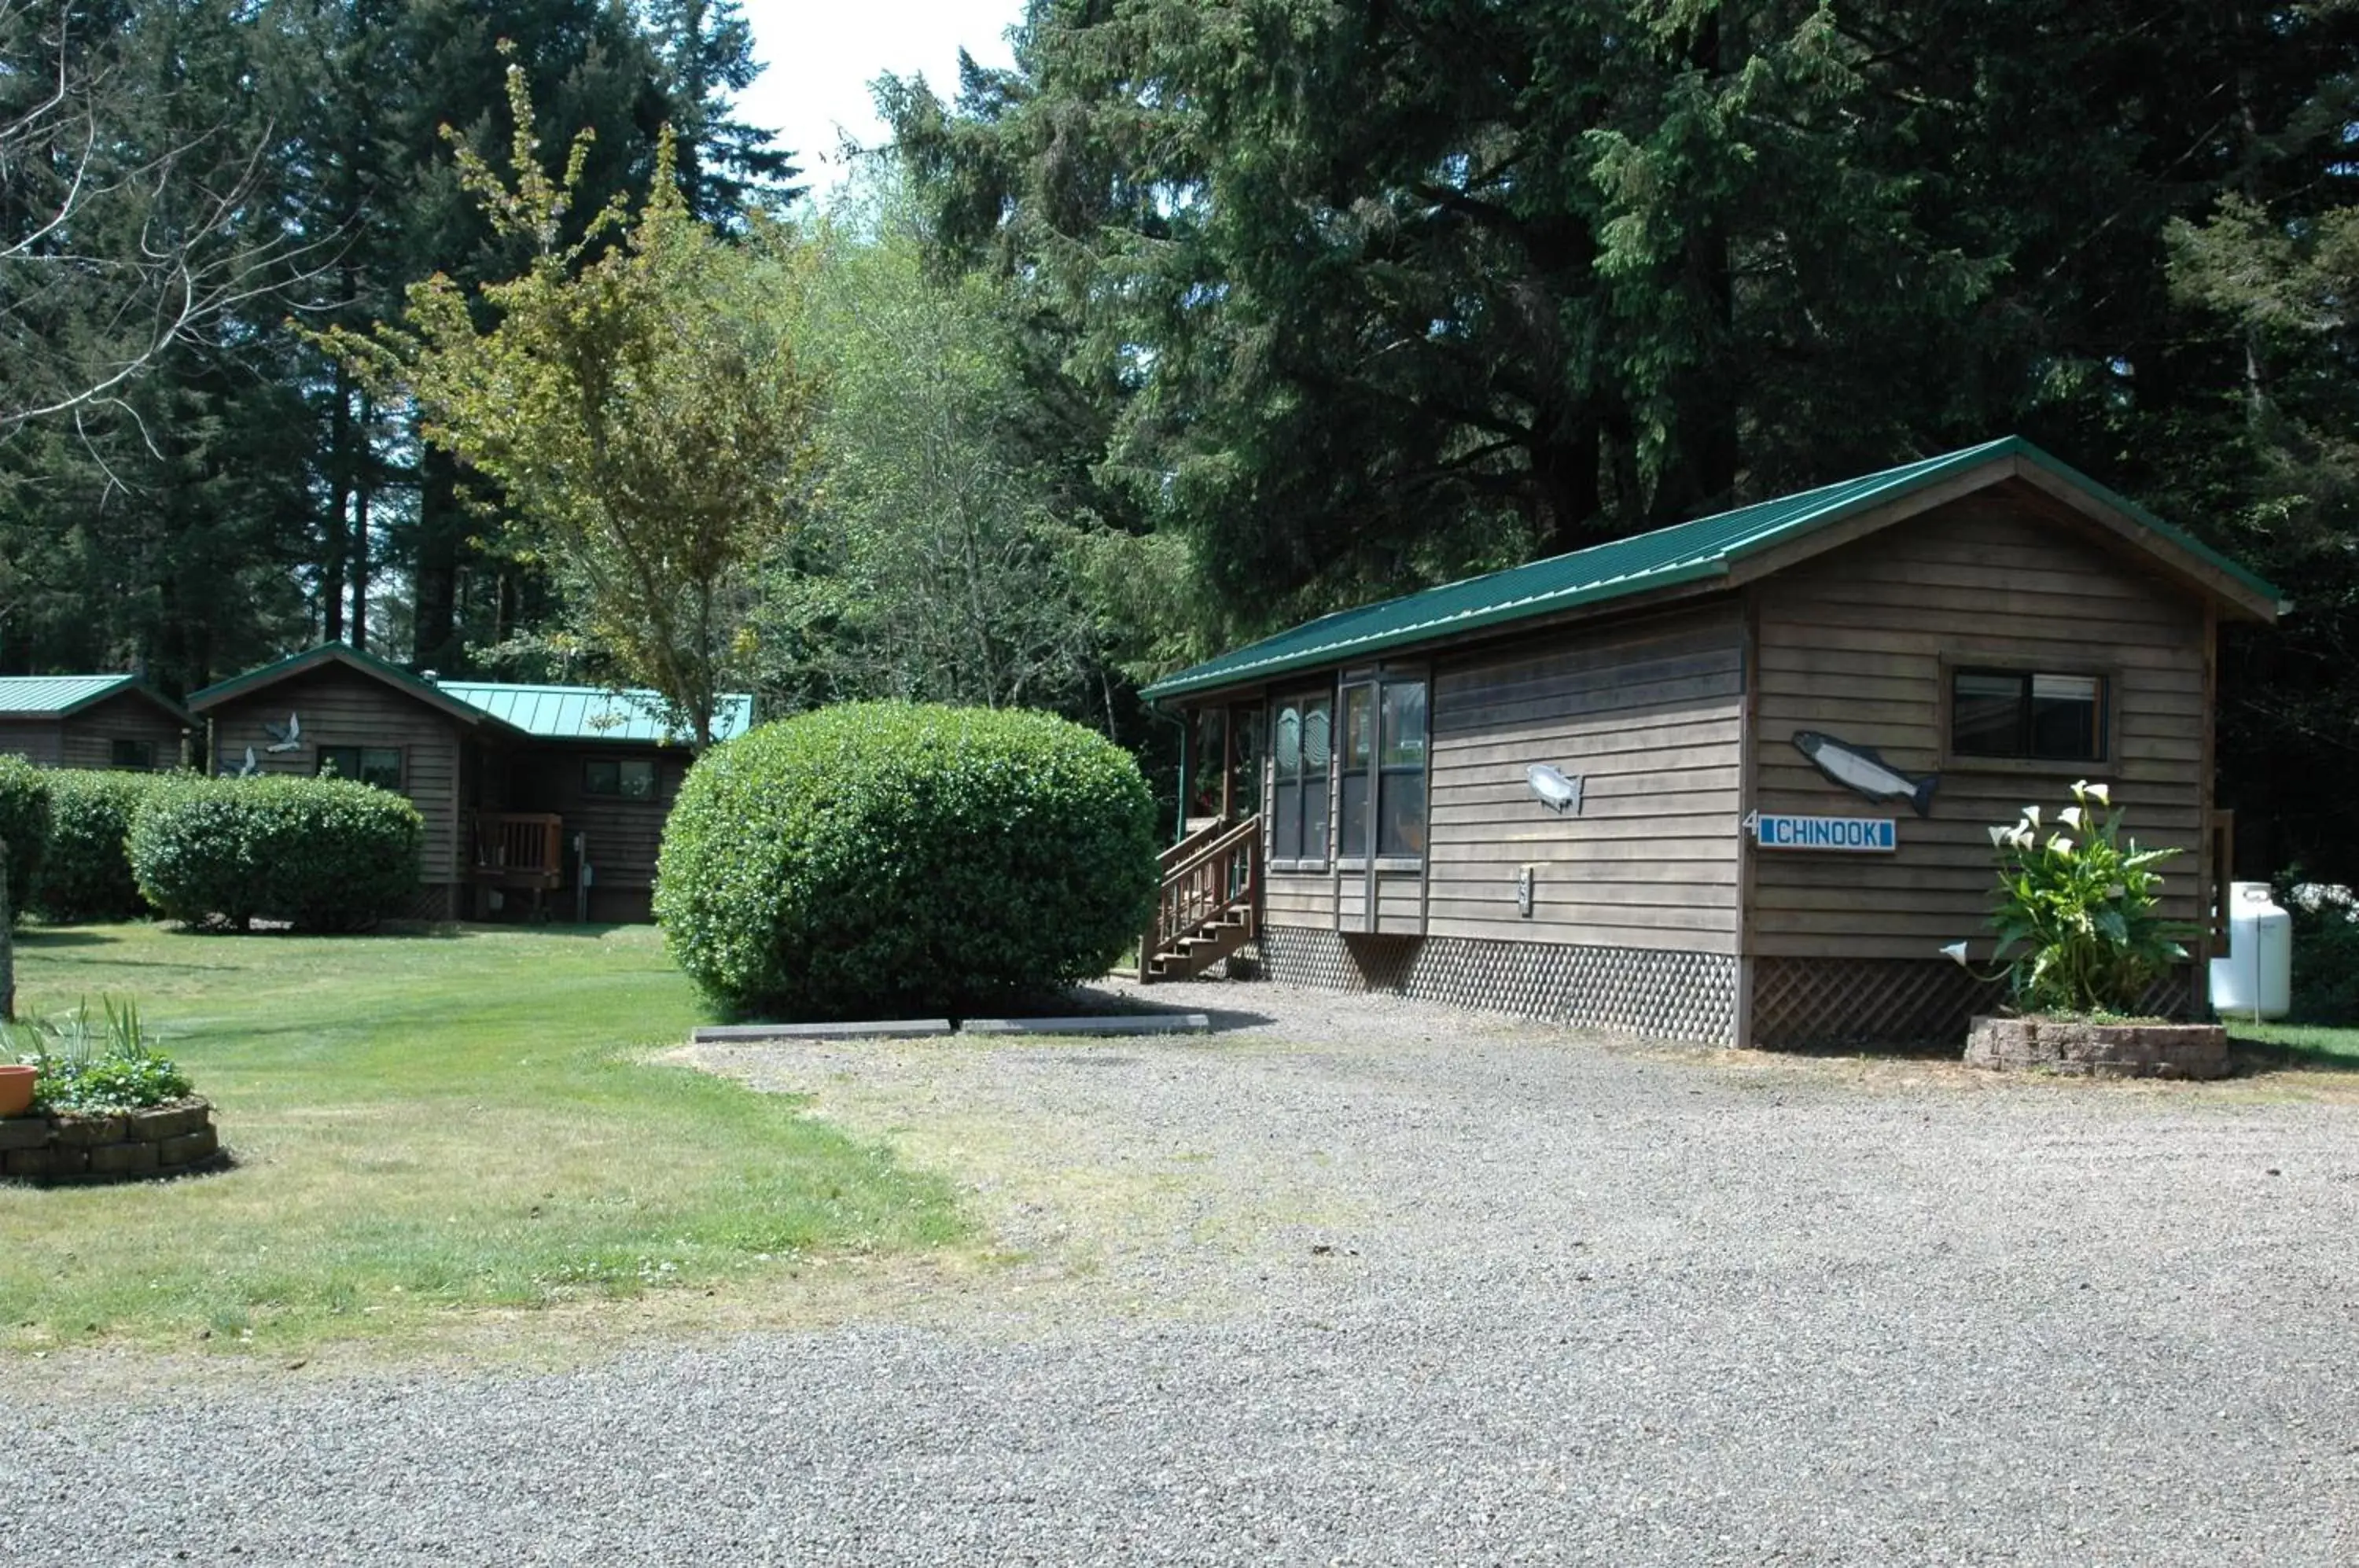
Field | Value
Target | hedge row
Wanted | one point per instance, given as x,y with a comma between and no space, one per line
24,827
896,860
320,854
324,854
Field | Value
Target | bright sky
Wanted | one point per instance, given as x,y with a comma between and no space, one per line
822,56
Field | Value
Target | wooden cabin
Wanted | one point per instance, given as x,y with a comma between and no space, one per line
1730,782
93,721
547,800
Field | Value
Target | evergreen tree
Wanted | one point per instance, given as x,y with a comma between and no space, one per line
727,168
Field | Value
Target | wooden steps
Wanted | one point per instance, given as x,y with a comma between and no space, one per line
1210,904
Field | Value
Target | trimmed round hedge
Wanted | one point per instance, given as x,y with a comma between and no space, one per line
884,859
85,872
324,854
24,828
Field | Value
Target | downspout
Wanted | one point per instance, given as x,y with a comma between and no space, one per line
1180,823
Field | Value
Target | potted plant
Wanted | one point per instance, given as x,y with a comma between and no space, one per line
17,1081
2081,940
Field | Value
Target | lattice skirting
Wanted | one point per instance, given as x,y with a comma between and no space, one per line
1844,1003
1647,991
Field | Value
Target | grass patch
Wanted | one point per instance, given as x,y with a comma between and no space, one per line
2321,1048
427,1124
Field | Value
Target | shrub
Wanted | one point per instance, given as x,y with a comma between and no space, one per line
96,1066
2325,949
2081,908
325,855
882,858
24,828
85,873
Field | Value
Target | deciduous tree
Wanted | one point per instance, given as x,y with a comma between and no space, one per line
638,403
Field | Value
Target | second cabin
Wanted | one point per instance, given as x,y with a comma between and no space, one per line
545,799
1730,782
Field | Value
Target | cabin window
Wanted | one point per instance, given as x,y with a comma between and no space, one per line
2027,714
1382,784
377,765
1302,742
132,756
1400,795
628,778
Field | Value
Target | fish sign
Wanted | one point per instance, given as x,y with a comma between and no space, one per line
1553,789
1860,770
1853,835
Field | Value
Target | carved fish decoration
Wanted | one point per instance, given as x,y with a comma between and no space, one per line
1859,769
286,736
1556,792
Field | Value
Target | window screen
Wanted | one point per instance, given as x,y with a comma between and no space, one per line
377,765
2028,713
1401,821
1300,746
626,779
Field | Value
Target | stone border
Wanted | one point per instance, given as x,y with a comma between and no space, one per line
936,1028
740,1034
2099,1051
1105,1023
177,1139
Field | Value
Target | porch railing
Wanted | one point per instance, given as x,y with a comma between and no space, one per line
1211,880
522,846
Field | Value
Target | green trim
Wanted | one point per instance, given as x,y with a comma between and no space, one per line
1682,554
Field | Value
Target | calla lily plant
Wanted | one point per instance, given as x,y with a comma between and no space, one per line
2079,919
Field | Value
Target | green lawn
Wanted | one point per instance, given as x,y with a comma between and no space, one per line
2318,1046
426,1125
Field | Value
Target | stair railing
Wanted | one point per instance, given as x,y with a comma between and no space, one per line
1212,871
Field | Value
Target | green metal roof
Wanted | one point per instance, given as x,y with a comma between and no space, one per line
1684,552
311,658
592,712
549,712
58,696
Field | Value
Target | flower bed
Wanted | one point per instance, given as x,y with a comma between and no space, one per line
2087,1049
176,1139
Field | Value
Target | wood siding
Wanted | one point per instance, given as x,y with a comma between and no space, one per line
1648,714
341,707
1855,643
90,735
40,741
622,835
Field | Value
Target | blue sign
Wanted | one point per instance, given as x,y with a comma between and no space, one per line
1858,835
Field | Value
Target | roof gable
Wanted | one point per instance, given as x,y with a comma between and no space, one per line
1712,552
544,712
336,655
63,696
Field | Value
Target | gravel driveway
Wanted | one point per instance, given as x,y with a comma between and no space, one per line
1364,1282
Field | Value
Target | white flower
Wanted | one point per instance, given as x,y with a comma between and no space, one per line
2070,817
1956,950
2102,792
2031,815
1999,835
2059,844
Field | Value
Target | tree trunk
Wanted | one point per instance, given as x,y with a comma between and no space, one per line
364,492
442,525
336,523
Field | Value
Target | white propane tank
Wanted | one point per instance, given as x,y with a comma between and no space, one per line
2256,977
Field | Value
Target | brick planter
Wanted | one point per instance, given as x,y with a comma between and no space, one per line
2099,1051
169,1140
